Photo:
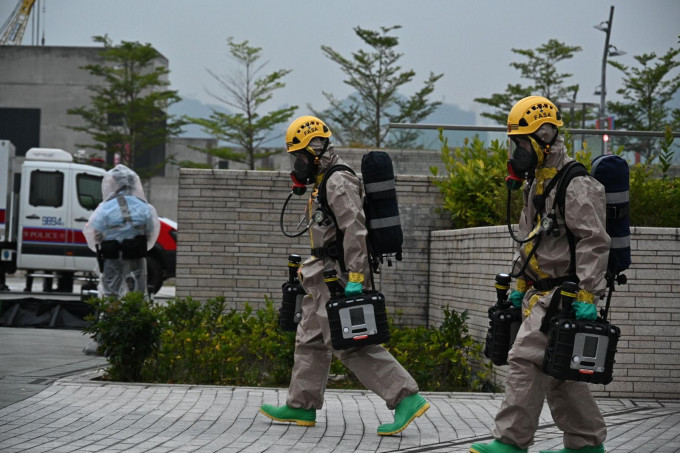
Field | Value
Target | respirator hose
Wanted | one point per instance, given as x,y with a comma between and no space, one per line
536,236
512,234
283,210
520,273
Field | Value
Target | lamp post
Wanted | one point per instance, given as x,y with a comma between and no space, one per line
609,50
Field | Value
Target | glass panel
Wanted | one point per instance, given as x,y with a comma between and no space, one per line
47,188
89,189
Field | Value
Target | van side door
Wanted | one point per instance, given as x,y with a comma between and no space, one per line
86,196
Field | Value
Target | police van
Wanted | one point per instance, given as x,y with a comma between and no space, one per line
43,212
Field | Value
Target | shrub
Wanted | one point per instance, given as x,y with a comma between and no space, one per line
474,193
205,344
127,331
473,189
445,358
190,342
653,201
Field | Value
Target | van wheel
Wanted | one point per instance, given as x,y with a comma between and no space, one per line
154,274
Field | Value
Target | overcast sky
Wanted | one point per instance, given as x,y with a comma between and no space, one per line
469,41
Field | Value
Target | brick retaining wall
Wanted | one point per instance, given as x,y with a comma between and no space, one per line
462,269
230,243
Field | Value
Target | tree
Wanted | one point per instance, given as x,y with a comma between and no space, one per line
541,70
646,91
362,118
127,114
246,92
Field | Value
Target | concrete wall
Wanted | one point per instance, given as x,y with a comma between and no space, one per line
51,79
230,243
464,262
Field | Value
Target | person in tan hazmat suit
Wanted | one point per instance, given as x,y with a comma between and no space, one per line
538,155
308,144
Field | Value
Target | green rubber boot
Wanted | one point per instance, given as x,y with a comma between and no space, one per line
409,408
496,447
598,449
303,417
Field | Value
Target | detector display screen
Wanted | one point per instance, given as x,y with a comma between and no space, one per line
356,316
590,347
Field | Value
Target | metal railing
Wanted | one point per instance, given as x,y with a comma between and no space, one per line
591,139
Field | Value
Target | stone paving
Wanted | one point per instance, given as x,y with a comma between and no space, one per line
49,402
79,414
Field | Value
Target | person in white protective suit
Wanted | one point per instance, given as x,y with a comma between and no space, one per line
121,230
308,144
539,153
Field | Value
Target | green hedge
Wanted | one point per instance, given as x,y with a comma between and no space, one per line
189,342
474,193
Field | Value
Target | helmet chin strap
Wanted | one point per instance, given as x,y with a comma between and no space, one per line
544,146
323,150
539,149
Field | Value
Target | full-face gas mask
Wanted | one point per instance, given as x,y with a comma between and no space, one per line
528,152
523,161
304,166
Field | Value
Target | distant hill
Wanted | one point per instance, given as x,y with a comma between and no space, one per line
197,109
452,114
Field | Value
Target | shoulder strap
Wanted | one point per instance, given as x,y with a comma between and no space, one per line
124,209
563,176
321,195
573,170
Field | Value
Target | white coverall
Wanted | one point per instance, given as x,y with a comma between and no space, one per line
571,404
373,365
124,214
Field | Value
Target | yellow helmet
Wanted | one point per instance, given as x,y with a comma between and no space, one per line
528,114
302,130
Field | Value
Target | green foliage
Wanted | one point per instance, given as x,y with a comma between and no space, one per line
361,119
653,201
127,331
473,187
128,111
189,342
647,90
541,70
246,91
666,154
445,358
205,344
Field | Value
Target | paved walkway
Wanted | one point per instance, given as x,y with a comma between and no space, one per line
78,414
49,402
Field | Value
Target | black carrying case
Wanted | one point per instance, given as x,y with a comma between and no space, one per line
580,350
358,321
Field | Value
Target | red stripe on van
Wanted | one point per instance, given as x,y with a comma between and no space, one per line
44,235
